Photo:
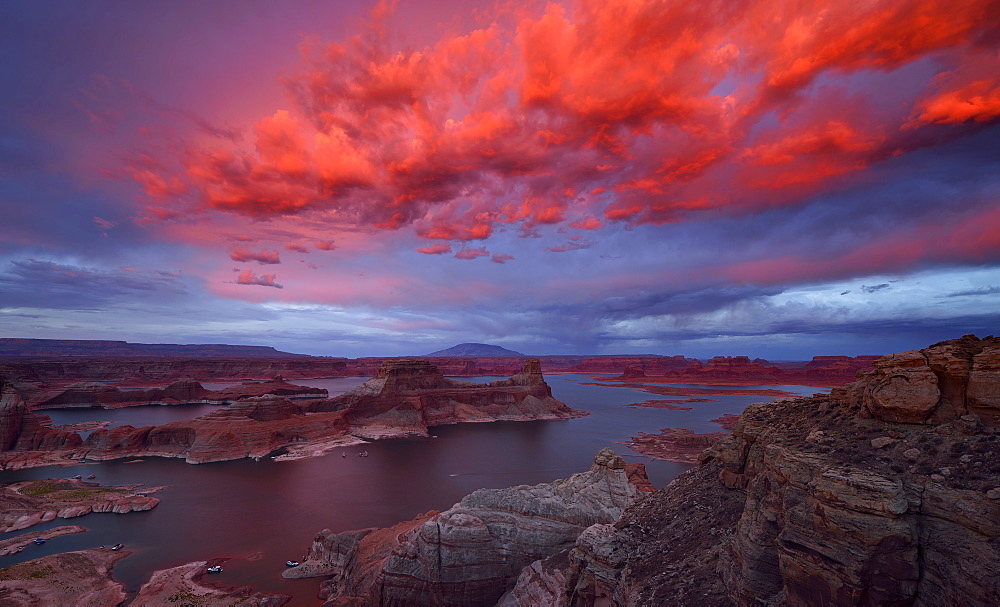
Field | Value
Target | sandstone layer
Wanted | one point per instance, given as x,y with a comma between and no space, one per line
471,553
70,578
27,503
828,500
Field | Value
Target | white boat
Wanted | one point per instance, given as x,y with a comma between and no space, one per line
291,563
216,569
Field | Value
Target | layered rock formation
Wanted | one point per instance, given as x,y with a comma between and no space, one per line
818,501
22,430
404,399
408,396
471,553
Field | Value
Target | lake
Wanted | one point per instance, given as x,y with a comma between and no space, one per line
263,513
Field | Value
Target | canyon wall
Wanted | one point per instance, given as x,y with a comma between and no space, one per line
158,371
887,492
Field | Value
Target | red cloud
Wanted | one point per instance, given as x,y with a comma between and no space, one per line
265,257
501,258
324,245
978,101
658,111
435,249
247,277
587,223
294,246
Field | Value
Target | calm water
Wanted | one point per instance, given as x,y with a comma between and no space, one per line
263,513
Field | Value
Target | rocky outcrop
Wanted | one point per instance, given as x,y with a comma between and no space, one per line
936,384
251,428
28,503
70,578
471,553
674,444
183,585
180,392
22,430
828,500
408,396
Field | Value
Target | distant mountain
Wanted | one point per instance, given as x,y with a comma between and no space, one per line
477,350
11,347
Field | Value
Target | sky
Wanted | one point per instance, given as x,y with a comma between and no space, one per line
768,178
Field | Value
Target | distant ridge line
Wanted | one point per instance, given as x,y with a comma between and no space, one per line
26,347
477,350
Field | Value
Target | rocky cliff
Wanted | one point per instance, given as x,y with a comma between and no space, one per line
471,553
887,492
22,430
407,396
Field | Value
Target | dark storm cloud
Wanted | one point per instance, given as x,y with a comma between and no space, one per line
43,284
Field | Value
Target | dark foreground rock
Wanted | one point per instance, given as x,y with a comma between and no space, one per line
471,553
880,494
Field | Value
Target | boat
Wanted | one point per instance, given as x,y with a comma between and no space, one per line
39,540
291,563
91,476
78,476
215,569
118,546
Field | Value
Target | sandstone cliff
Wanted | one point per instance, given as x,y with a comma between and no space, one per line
471,553
22,430
885,493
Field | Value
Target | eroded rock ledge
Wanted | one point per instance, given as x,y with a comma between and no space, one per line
27,503
471,553
887,492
